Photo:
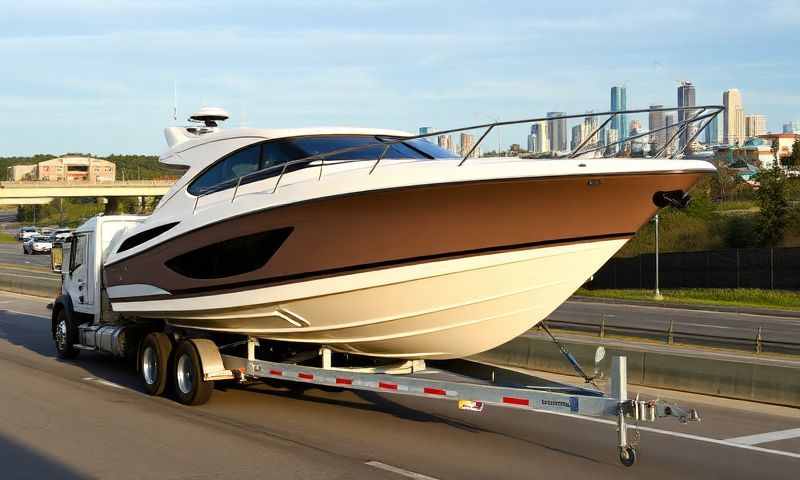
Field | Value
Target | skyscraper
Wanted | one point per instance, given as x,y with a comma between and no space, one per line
792,127
733,120
558,132
755,125
589,126
656,121
577,136
541,135
669,121
446,142
686,96
425,131
467,142
619,102
713,131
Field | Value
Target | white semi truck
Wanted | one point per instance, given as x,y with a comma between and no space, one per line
186,363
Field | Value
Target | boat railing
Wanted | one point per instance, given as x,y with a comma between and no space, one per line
699,116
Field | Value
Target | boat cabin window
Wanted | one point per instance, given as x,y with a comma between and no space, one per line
268,158
225,173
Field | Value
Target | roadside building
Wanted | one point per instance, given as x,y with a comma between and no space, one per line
785,142
66,169
19,173
755,125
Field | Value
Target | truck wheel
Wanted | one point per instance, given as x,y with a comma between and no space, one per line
154,362
190,388
65,335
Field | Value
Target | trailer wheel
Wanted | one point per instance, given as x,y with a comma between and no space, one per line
627,456
65,334
154,362
190,388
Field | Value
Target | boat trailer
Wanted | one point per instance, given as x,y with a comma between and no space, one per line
580,402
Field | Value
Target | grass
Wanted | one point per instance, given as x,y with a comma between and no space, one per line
7,238
731,297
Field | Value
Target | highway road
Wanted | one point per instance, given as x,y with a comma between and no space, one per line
704,322
88,419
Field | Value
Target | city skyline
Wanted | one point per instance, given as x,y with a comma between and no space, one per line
99,77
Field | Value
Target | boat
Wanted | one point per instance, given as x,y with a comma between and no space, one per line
376,242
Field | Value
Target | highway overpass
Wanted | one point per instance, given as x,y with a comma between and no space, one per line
32,192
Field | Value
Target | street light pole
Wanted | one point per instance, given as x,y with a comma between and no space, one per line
658,295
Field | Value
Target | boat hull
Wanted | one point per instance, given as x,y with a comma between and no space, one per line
447,309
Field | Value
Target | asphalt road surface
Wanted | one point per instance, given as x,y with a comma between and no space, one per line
88,419
703,322
11,254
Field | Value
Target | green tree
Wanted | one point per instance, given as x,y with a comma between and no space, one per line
794,159
771,197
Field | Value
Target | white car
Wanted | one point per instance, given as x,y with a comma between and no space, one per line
26,232
63,234
37,244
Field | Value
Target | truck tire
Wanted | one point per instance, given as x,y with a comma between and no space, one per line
65,335
154,362
189,386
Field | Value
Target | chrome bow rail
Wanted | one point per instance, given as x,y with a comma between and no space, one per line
697,116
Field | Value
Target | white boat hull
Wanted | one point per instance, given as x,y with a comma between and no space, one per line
437,310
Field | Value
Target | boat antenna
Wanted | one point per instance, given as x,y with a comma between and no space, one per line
175,100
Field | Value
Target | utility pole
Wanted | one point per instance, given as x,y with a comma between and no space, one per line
658,295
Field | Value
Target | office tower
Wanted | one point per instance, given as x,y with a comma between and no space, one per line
686,98
612,136
540,131
467,142
672,129
577,136
557,130
792,127
755,125
733,120
619,102
655,121
532,143
635,127
589,126
713,131
425,131
446,142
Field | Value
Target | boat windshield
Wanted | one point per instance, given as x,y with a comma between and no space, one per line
270,158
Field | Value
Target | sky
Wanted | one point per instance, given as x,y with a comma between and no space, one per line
97,76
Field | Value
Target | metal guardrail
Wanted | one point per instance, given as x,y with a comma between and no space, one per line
671,334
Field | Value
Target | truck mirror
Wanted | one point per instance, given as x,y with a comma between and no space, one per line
57,257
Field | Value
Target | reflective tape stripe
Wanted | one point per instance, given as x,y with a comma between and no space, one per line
434,391
344,381
516,401
276,372
305,376
387,386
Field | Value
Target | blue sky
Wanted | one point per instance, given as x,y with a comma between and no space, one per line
97,75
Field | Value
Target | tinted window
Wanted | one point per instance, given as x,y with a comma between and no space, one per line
231,257
430,149
365,148
78,252
226,172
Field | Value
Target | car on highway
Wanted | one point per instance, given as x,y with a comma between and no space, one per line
62,233
26,233
37,244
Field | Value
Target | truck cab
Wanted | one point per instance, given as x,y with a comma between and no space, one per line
82,261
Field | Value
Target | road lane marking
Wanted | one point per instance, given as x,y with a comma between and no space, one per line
688,436
399,471
104,382
707,312
766,437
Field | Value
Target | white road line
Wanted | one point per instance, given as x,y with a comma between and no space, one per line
726,443
28,314
104,382
399,471
766,437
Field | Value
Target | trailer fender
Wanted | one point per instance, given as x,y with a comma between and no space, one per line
211,360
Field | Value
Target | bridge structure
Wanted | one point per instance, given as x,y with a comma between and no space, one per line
40,193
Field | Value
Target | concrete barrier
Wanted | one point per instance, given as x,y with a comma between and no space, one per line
755,380
31,285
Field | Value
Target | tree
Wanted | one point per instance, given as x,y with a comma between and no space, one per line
793,160
771,197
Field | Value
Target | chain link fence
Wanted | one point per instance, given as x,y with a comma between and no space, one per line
765,268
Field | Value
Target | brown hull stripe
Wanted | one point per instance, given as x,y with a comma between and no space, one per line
234,287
